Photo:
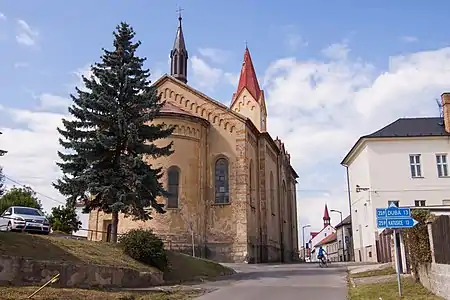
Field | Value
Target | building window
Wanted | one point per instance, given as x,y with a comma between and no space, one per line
414,163
396,202
173,180
419,203
222,193
441,162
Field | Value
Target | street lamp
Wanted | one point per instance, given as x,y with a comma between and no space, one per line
304,245
342,228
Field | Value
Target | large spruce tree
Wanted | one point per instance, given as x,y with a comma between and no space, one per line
111,134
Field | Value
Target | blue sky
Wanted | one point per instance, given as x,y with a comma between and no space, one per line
332,71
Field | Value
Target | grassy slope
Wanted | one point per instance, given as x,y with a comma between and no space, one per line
389,291
61,249
186,268
182,267
379,272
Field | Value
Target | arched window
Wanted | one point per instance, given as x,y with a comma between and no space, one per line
284,200
222,189
173,182
272,193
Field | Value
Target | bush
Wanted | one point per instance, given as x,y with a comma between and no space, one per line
144,246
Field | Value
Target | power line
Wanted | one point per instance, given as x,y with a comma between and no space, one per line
25,186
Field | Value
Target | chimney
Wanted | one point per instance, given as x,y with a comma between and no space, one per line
446,108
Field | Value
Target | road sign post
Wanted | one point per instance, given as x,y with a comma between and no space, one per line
395,218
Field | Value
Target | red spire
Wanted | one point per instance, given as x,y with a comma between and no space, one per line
326,217
248,77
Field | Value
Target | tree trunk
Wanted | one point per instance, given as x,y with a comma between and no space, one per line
114,226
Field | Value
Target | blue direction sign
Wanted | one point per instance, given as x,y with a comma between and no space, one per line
394,217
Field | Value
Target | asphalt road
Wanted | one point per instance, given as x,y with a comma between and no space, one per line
281,282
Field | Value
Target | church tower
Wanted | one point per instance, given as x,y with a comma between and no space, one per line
326,217
179,55
249,98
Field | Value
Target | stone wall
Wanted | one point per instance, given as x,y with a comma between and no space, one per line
21,271
436,278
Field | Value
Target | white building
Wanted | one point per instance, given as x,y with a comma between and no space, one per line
84,219
317,237
405,162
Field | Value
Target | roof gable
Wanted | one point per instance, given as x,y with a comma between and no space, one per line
404,128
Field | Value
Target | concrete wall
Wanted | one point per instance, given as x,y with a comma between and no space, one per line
436,278
21,271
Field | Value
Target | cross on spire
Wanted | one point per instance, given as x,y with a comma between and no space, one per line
179,10
246,44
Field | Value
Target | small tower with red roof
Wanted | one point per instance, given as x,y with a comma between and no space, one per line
326,217
248,99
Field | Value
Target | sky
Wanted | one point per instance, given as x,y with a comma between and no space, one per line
331,71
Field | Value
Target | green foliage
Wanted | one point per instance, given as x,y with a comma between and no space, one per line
64,219
144,246
2,182
23,196
109,135
417,240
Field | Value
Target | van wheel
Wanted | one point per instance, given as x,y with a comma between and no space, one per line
9,227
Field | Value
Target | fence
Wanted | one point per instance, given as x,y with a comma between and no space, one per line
441,239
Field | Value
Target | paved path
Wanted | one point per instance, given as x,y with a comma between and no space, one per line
281,282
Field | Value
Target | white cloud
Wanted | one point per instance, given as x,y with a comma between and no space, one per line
292,39
2,16
336,51
319,109
203,75
48,101
25,34
409,39
215,55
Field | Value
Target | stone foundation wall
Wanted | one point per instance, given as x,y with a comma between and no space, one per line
436,278
21,271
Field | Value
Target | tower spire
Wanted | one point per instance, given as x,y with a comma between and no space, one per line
179,54
326,217
248,77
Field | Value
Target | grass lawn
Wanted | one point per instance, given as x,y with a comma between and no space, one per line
39,247
42,247
14,293
389,291
380,272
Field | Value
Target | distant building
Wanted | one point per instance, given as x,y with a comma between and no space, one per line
317,237
405,163
330,245
344,240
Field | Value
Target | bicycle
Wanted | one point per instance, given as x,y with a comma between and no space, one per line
323,262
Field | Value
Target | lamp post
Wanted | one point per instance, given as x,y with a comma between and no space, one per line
304,245
342,228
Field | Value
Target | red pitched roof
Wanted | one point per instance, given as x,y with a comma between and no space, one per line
326,216
313,234
248,77
329,239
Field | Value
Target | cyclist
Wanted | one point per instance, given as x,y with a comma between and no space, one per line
321,254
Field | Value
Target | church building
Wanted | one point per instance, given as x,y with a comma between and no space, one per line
233,189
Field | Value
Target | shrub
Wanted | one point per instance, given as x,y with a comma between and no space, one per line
144,246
